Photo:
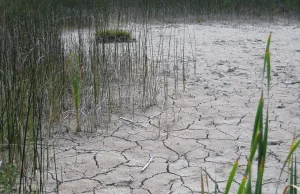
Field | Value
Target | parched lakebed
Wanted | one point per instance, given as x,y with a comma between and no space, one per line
212,73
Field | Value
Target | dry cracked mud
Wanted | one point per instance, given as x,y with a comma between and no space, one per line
208,126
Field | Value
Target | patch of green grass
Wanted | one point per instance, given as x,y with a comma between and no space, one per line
8,179
113,35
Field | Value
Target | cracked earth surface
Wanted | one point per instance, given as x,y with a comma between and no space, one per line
208,126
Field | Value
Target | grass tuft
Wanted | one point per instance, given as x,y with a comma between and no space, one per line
8,178
113,35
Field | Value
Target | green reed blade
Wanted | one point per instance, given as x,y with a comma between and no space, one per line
262,157
249,183
292,175
266,135
231,176
258,118
249,165
259,179
266,58
293,149
258,129
295,175
259,124
242,185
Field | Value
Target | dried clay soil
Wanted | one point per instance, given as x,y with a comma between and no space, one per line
207,126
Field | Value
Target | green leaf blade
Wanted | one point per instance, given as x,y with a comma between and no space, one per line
231,176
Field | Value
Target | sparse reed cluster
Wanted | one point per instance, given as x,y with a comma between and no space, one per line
47,86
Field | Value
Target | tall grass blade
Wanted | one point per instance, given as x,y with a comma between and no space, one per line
259,135
292,145
242,185
249,165
267,59
258,118
231,176
249,183
293,149
292,175
293,169
262,158
259,180
295,175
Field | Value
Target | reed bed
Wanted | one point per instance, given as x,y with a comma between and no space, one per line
29,54
45,84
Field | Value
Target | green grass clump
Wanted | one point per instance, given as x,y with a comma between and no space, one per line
113,35
8,178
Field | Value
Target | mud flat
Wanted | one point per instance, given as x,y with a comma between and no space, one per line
209,125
